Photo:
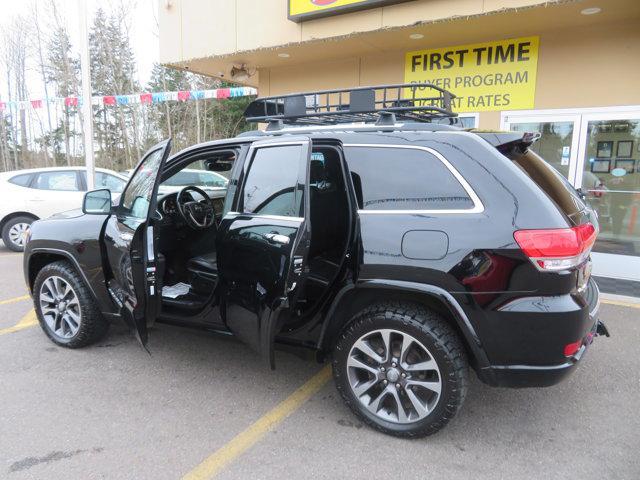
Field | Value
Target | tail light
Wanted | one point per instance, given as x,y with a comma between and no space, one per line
558,248
571,349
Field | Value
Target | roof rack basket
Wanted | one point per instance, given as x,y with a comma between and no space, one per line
418,102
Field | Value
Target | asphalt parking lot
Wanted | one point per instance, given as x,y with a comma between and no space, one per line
113,411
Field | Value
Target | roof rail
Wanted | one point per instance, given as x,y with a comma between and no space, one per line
418,102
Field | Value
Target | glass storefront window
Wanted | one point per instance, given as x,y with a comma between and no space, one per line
611,181
554,144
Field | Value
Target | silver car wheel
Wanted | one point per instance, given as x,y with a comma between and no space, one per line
394,376
18,234
60,307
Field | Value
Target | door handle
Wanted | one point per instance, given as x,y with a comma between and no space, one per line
277,238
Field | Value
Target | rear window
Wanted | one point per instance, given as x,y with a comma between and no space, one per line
22,180
550,181
404,179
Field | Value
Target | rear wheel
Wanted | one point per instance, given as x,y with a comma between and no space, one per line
14,233
65,308
401,368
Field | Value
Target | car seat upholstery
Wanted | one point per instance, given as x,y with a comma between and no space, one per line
203,272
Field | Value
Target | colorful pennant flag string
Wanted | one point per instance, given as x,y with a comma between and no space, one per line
144,98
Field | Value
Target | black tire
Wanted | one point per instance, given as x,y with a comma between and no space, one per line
92,326
443,345
6,237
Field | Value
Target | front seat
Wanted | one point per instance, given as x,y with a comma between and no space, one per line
203,271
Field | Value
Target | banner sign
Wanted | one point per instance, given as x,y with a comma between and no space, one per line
301,10
487,76
145,97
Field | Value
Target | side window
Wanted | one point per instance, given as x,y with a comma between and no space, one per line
113,183
404,179
270,184
22,180
66,181
137,197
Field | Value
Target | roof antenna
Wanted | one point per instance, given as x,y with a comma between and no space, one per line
386,119
274,125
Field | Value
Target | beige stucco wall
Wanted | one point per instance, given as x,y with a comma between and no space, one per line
579,67
191,29
584,61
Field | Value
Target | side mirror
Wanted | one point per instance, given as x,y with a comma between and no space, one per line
97,202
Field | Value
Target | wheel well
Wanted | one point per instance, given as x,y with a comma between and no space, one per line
38,261
355,301
14,215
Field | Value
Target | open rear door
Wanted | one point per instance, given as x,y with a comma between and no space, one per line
262,246
129,240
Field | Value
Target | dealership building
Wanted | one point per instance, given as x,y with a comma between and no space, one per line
569,69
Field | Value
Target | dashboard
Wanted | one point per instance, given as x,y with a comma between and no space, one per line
168,205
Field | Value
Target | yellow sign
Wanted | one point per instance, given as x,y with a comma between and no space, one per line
484,76
300,10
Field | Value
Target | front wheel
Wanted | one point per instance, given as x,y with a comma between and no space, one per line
401,368
14,233
66,310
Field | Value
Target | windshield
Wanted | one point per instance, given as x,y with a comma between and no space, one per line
197,177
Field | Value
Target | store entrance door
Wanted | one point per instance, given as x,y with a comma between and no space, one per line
598,152
609,173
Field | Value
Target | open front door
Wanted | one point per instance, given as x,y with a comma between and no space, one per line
129,239
262,246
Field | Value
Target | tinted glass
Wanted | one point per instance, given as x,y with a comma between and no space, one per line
404,179
61,181
137,197
110,182
212,179
22,180
182,179
199,178
550,181
270,186
554,144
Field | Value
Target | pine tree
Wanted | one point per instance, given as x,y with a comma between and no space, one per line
113,73
63,71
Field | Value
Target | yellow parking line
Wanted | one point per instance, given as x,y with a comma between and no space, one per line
29,320
14,300
245,440
621,304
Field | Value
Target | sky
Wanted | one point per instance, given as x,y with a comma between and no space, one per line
143,34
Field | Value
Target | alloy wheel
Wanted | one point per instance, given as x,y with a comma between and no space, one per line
394,376
18,234
60,307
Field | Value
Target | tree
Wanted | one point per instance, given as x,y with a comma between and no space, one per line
63,71
196,120
122,132
113,73
15,48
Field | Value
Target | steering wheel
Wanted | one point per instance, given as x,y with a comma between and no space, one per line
199,215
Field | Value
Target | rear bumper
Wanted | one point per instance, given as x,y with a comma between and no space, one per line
522,376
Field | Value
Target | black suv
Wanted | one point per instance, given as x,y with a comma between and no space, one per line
398,246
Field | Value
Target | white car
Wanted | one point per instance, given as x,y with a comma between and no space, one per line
28,195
